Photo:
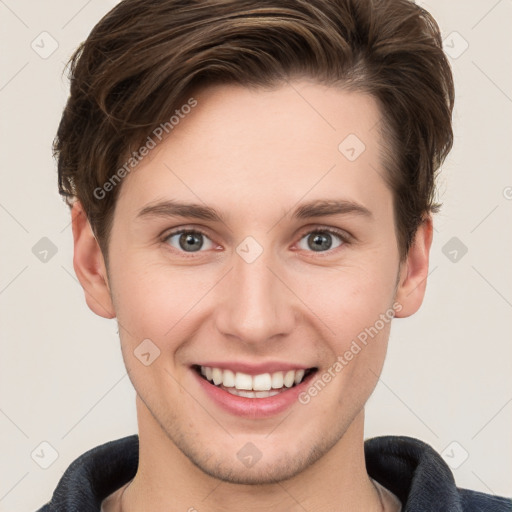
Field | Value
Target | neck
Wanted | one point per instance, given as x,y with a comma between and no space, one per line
166,479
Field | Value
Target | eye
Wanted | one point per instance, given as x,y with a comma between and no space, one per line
193,240
188,240
322,239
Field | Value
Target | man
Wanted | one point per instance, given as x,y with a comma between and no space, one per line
252,189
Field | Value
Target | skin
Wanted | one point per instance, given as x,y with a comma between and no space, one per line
254,155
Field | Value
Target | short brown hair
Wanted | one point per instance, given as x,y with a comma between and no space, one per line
143,57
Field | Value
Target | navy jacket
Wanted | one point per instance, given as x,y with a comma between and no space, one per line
408,467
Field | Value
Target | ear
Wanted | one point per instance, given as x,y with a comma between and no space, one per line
89,265
414,271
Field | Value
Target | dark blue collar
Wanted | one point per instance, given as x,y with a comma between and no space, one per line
408,467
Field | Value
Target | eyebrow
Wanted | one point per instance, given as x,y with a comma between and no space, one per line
311,209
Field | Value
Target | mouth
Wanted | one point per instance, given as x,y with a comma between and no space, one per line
259,386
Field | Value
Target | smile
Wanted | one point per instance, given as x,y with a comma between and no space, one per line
262,385
252,391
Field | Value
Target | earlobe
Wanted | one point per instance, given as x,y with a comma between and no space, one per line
89,265
414,271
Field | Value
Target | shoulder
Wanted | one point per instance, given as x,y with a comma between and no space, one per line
474,501
422,480
94,475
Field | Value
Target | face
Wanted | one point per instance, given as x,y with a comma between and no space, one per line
292,281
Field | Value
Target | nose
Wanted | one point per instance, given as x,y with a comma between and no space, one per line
255,304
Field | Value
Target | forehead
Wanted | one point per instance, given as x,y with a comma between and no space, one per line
266,147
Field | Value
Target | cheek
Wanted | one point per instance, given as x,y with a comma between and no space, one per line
352,299
154,300
150,299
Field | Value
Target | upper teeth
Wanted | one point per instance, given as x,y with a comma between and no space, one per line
244,381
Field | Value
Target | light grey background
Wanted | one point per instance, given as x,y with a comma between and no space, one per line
447,378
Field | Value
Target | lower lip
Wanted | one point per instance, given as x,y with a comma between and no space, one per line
253,407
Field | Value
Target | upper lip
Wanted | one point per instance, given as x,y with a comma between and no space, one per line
254,368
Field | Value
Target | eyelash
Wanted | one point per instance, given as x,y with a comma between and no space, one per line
343,236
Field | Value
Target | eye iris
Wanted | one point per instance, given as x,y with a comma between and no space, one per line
190,241
320,242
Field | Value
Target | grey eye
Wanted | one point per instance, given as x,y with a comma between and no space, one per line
188,240
321,240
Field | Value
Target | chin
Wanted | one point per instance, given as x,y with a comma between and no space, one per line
266,468
262,473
